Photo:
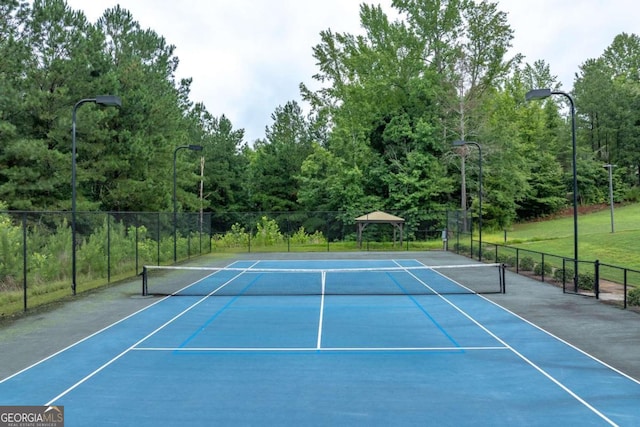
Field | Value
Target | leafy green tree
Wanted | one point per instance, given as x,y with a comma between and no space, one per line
278,159
399,94
607,95
225,163
50,46
547,187
419,188
129,170
328,183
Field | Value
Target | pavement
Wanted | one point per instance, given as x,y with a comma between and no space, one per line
603,330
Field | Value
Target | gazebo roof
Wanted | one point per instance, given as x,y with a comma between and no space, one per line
379,216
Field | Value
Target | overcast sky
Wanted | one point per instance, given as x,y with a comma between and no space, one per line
247,57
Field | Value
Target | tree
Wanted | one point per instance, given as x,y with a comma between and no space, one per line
130,170
329,184
607,92
278,159
47,50
225,163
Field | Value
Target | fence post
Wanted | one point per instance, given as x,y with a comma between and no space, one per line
144,281
596,285
326,227
471,238
109,248
137,238
158,235
288,234
625,288
188,236
24,259
564,275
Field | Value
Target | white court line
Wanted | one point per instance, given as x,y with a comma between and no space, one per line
315,349
320,321
134,348
109,362
517,353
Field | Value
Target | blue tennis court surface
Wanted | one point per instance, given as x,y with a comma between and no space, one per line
396,356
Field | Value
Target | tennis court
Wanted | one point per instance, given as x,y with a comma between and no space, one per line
326,342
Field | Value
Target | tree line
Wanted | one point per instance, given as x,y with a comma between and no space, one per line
377,134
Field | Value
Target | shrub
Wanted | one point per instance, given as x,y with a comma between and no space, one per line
488,255
586,281
634,297
507,259
268,232
502,258
235,238
301,237
563,275
527,263
538,269
461,247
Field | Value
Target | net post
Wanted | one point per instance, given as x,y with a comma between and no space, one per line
503,282
144,281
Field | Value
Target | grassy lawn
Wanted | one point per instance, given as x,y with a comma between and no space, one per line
595,240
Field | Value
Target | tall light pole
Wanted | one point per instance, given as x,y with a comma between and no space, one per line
108,100
462,144
610,167
175,209
542,94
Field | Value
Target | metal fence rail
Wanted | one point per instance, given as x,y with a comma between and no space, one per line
594,278
36,251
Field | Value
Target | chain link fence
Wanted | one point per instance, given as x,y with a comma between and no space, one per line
36,252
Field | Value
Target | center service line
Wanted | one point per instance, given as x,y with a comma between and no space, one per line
324,280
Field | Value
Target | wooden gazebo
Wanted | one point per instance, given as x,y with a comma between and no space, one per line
379,217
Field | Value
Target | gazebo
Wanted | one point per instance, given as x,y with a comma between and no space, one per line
379,217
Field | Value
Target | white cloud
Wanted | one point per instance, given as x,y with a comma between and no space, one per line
246,57
567,33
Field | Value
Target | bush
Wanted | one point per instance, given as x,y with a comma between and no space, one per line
507,259
268,232
527,263
634,297
586,281
563,275
502,258
235,238
538,269
461,247
488,255
301,237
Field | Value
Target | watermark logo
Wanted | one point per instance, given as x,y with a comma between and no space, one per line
31,416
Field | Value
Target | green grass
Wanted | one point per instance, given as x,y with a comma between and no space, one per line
595,240
336,247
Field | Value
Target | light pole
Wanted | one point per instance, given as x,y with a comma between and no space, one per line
462,144
108,100
610,168
542,94
175,210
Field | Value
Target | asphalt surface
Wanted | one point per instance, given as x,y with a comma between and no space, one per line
602,330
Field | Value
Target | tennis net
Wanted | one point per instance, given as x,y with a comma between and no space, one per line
415,280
